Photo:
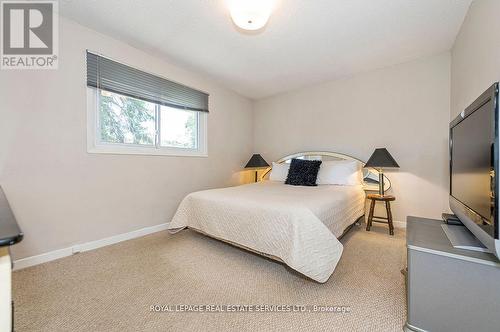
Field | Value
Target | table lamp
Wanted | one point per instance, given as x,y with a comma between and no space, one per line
256,163
380,159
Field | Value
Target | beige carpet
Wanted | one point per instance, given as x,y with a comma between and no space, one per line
112,289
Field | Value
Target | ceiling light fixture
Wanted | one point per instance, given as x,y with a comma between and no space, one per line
250,14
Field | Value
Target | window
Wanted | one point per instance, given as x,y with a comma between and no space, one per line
178,128
139,119
125,120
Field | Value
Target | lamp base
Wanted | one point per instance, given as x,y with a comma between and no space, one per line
381,182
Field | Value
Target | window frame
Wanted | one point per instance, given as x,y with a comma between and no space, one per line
95,145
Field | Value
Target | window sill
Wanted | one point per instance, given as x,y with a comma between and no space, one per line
146,151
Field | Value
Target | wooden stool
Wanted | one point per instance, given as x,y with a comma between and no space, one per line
387,199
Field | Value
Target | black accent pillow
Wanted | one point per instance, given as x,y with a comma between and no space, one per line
303,172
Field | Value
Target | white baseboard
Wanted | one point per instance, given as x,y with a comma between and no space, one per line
65,252
399,224
396,223
60,253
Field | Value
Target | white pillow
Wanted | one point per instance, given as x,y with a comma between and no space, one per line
279,172
340,172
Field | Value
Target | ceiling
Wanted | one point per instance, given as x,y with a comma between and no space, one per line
305,41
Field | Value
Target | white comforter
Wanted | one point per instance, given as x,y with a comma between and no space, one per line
299,225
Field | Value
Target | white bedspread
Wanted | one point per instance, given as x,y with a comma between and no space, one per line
299,225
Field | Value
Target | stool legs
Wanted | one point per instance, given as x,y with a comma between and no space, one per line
369,222
389,217
370,215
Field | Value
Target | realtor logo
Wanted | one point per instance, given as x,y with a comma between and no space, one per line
29,35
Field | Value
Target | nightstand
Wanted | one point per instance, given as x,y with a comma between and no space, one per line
386,220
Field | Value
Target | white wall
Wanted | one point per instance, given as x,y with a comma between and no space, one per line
404,108
475,55
62,195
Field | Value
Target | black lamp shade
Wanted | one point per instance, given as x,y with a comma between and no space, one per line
381,158
256,162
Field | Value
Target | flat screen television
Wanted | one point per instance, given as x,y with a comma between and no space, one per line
474,151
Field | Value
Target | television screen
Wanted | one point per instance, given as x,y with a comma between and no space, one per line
472,164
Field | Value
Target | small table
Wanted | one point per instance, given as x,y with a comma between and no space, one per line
386,220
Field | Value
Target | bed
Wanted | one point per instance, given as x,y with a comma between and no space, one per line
299,226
